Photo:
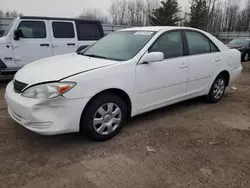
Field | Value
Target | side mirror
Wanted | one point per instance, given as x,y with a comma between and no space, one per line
153,57
18,34
81,48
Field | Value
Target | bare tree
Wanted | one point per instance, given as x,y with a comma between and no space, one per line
139,10
210,13
131,13
150,6
9,14
230,15
118,11
243,18
14,14
1,13
136,13
94,14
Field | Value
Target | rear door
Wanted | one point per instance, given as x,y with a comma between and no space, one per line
203,59
35,43
64,36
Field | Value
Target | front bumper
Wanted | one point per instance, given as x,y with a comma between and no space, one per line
45,117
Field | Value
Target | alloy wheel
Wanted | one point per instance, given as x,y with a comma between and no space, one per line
219,88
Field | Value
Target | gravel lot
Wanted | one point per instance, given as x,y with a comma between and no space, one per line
196,145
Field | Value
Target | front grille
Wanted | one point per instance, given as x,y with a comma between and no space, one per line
19,86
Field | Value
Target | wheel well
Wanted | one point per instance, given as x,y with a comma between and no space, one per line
227,75
124,96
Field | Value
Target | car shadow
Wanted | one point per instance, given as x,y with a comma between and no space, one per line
4,80
167,111
76,140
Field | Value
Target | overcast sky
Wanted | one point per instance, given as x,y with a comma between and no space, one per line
62,8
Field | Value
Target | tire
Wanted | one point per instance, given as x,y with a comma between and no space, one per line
219,85
98,111
245,57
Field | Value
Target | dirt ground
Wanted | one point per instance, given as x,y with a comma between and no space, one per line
196,145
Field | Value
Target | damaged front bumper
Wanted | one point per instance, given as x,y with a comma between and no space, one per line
45,117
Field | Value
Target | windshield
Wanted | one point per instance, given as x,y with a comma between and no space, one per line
7,30
120,46
243,42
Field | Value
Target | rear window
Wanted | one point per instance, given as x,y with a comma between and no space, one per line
63,30
89,31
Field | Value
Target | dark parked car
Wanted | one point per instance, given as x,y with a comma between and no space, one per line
243,45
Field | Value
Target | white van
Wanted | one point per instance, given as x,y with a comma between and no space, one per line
32,38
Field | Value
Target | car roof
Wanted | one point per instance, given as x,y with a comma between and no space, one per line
156,28
55,18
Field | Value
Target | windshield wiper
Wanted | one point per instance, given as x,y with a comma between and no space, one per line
95,56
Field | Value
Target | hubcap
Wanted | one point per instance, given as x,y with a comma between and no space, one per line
219,88
107,118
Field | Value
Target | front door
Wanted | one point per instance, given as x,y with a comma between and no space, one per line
64,37
164,82
35,43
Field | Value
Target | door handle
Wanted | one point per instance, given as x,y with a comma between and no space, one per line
71,44
183,65
44,44
218,59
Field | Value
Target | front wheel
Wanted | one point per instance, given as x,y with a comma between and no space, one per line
217,90
104,117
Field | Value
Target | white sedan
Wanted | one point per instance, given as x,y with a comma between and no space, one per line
126,73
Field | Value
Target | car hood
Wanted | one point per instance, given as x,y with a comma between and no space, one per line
235,46
59,67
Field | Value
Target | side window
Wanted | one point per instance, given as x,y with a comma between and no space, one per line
197,43
170,44
213,48
88,31
33,29
63,30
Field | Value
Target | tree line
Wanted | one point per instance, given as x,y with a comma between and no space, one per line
209,15
9,14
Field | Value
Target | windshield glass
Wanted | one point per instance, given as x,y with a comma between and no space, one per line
120,46
243,42
7,30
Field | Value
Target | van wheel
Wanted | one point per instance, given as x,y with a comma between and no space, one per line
217,90
104,117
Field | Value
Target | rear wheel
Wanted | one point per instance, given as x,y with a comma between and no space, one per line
217,90
104,117
245,57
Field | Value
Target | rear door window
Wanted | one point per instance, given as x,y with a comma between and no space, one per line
197,43
63,30
88,31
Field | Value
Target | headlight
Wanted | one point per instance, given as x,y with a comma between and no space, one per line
49,90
